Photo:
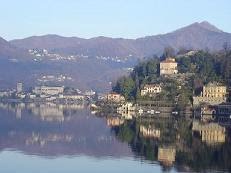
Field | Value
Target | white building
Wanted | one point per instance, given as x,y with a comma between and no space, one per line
149,89
72,96
19,87
46,90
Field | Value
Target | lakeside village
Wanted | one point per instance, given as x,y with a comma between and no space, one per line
47,94
191,85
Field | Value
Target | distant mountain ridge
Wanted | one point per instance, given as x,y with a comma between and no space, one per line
99,60
195,36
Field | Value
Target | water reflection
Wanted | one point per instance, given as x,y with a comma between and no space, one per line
71,130
56,130
186,145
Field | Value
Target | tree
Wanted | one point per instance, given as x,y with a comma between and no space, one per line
168,52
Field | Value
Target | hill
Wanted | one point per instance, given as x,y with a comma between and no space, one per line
195,36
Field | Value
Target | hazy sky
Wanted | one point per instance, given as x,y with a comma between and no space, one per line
113,18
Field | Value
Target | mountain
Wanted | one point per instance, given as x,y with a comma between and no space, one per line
96,62
195,36
9,51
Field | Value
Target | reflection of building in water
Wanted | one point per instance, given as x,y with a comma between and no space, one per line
31,105
166,155
114,121
54,112
211,133
127,110
48,112
71,106
42,140
18,113
16,108
150,132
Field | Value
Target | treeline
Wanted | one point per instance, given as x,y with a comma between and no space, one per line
204,66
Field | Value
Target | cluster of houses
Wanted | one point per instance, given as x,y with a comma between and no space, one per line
45,93
212,93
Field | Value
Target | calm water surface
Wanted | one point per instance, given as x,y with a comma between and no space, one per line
59,138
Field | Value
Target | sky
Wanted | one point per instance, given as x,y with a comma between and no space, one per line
111,18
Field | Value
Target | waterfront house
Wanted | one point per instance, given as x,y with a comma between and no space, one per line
213,94
115,97
47,90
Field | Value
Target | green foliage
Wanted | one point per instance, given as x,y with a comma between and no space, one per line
203,67
206,66
144,72
126,86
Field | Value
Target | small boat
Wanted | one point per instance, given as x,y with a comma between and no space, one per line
157,112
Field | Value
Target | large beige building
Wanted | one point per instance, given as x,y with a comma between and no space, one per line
150,89
213,94
46,90
168,67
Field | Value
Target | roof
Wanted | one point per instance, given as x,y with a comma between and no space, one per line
152,85
114,93
169,60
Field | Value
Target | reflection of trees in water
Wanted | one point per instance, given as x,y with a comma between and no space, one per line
191,152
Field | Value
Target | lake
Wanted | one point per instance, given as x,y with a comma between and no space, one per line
69,138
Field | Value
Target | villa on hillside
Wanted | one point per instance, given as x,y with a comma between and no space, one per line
212,94
115,97
168,67
150,89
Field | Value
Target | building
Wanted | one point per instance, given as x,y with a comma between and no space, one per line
89,93
19,87
168,67
212,94
115,97
127,110
208,113
150,89
46,90
72,97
